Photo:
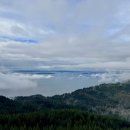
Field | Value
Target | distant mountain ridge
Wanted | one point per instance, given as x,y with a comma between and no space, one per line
103,99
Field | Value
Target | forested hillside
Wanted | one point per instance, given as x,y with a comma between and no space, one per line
37,112
71,111
61,120
103,99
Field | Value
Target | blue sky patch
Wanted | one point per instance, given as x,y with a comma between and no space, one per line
18,39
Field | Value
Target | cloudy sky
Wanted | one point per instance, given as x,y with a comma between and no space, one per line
64,34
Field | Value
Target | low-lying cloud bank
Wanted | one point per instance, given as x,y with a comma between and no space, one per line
112,77
14,81
33,76
14,84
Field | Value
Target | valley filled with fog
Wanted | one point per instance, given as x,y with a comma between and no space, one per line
48,83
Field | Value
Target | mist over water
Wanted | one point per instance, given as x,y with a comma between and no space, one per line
50,83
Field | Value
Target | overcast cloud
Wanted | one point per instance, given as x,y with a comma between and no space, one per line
70,33
63,35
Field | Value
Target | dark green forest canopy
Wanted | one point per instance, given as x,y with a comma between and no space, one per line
67,119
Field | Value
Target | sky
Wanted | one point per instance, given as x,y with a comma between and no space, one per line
63,35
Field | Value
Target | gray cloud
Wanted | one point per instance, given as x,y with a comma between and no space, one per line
72,34
113,77
15,82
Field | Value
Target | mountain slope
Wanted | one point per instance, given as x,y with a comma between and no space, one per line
7,105
103,99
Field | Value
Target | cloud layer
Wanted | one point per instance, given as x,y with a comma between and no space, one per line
64,34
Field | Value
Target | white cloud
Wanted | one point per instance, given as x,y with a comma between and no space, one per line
12,29
33,76
13,81
79,34
112,76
